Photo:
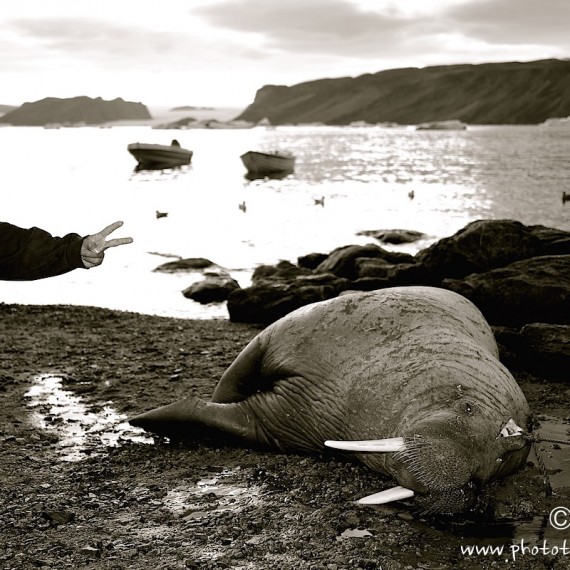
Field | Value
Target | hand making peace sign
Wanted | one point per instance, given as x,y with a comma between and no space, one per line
94,246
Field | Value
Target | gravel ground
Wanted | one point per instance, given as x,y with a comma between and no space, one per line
81,489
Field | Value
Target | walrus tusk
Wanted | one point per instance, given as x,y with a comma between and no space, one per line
393,494
371,445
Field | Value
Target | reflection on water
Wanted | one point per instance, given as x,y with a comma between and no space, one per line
269,176
165,168
78,430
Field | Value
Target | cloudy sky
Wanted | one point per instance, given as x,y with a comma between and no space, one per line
219,52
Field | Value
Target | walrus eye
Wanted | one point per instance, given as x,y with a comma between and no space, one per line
468,408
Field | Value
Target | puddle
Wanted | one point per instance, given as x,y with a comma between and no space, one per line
211,496
79,431
556,458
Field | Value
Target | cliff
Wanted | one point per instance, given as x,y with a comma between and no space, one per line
494,93
77,110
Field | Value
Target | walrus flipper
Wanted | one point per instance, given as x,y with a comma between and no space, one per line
195,418
241,378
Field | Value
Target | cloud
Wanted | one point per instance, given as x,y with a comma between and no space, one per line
197,48
115,45
514,21
344,29
319,26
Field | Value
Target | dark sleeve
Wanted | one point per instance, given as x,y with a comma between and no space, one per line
28,254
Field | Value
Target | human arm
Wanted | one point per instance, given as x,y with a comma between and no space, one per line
29,254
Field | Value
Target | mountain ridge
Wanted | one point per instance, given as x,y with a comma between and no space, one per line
75,110
488,93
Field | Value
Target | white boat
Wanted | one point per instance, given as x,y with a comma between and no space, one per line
451,125
268,163
159,155
556,122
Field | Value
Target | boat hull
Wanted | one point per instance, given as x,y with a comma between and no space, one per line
265,163
159,156
451,125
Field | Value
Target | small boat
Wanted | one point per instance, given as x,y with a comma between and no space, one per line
268,163
451,125
556,122
157,156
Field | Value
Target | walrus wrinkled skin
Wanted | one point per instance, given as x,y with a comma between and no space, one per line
416,365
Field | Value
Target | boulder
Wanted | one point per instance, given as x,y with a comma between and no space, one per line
268,301
311,260
284,271
372,267
552,240
478,247
342,261
215,288
546,350
527,291
393,236
540,348
188,264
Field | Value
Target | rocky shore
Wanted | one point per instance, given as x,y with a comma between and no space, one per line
518,276
81,489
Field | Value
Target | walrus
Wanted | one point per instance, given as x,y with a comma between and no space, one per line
407,377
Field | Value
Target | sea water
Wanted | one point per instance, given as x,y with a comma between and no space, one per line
82,179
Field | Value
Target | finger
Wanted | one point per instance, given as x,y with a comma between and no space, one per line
92,261
110,229
117,241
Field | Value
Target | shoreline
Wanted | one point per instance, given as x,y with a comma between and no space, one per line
201,505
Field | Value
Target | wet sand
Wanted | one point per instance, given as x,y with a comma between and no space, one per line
81,489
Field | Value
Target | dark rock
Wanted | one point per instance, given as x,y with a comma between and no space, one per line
266,302
369,283
284,270
479,247
393,274
547,350
343,260
188,264
393,236
372,267
540,348
58,517
553,241
215,288
479,262
409,274
510,345
312,260
527,291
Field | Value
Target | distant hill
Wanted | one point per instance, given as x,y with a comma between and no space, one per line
77,110
6,109
493,93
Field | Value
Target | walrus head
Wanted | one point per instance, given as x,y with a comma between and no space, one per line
441,463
